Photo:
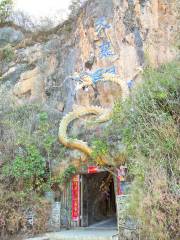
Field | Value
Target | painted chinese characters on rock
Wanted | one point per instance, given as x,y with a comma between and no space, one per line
105,49
100,25
75,198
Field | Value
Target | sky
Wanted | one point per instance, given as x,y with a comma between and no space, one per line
42,8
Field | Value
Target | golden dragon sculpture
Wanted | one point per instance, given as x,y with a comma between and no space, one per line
80,111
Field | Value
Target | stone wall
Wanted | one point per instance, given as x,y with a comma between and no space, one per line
128,229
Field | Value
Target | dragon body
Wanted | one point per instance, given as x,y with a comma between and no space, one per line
102,114
87,80
80,111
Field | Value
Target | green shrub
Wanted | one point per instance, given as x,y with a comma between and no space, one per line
5,10
33,148
148,124
29,146
100,148
8,54
29,167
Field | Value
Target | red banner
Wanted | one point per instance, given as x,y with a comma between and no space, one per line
120,180
92,169
75,198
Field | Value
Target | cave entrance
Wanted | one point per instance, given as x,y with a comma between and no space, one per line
98,204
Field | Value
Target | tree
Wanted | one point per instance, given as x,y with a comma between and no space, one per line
5,10
75,6
22,19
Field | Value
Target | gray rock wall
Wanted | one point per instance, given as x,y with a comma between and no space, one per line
136,30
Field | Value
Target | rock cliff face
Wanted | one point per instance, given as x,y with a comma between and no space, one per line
109,36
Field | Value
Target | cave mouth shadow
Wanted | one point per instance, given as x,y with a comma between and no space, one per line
98,203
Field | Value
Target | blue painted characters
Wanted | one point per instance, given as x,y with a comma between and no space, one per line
86,79
100,25
105,49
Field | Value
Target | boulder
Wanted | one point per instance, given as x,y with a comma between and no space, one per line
9,35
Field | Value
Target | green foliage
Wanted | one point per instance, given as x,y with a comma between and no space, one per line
29,148
148,124
74,7
44,126
5,10
34,141
7,54
71,170
153,106
31,165
100,148
29,168
65,177
68,26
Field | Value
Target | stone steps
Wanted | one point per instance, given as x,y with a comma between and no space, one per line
90,234
84,235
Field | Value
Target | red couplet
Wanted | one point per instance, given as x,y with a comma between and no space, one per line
120,180
75,198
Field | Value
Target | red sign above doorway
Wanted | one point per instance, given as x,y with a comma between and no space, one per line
75,198
92,169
